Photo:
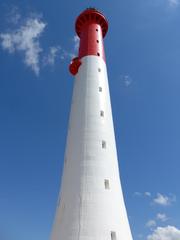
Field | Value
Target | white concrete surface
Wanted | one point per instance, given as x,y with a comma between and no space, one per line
89,209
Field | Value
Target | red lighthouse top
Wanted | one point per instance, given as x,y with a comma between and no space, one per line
91,27
89,16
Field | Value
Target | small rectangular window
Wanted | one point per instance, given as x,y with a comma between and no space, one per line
99,70
100,89
113,235
103,144
102,113
106,184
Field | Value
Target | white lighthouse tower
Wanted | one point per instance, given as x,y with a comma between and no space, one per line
91,204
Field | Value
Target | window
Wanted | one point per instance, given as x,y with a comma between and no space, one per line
97,41
96,30
98,54
102,113
99,70
100,89
113,235
103,144
106,184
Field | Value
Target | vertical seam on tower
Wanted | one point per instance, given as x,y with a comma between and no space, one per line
84,153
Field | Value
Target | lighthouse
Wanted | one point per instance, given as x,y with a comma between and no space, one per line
91,204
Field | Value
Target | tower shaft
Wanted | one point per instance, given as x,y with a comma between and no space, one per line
91,205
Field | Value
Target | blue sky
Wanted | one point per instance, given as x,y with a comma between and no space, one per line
37,41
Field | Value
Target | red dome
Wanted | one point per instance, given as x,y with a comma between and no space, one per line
91,15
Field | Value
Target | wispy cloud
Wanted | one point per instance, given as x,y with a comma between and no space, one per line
52,55
160,199
13,16
147,194
142,194
164,200
76,44
162,217
74,52
165,233
159,217
125,80
25,39
55,53
151,223
173,3
137,194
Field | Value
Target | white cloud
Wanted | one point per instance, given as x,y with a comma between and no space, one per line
54,53
162,217
25,39
66,55
125,80
165,233
74,52
13,15
147,194
76,44
173,3
50,59
137,194
164,200
151,223
141,194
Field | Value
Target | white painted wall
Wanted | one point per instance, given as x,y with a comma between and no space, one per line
88,211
